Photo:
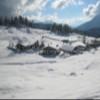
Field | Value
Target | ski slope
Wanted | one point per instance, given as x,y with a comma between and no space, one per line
31,76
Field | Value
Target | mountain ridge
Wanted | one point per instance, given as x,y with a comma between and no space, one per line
92,27
94,23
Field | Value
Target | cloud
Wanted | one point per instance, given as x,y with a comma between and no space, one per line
97,7
75,21
21,7
9,7
60,4
92,10
35,5
17,7
32,7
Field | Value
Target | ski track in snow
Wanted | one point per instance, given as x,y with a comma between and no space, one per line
29,63
31,76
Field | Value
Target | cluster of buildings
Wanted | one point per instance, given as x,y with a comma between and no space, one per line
69,46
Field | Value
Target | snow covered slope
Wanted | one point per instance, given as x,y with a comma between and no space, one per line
30,76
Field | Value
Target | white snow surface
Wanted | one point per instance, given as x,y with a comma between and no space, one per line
31,76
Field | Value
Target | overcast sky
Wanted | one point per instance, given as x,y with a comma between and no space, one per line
72,12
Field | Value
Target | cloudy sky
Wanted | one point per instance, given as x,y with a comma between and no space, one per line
72,12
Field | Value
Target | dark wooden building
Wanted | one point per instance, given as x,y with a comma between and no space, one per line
50,51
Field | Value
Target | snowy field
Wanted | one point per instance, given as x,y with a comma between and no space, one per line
31,76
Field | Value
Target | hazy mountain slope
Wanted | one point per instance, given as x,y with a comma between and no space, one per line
94,23
95,32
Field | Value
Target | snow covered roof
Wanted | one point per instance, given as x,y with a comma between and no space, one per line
72,46
72,38
98,39
78,43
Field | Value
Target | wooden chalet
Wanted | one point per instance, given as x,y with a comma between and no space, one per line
50,51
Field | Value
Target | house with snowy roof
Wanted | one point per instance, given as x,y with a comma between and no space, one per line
50,51
76,47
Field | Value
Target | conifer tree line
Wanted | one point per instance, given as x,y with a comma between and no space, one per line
15,21
64,29
24,21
